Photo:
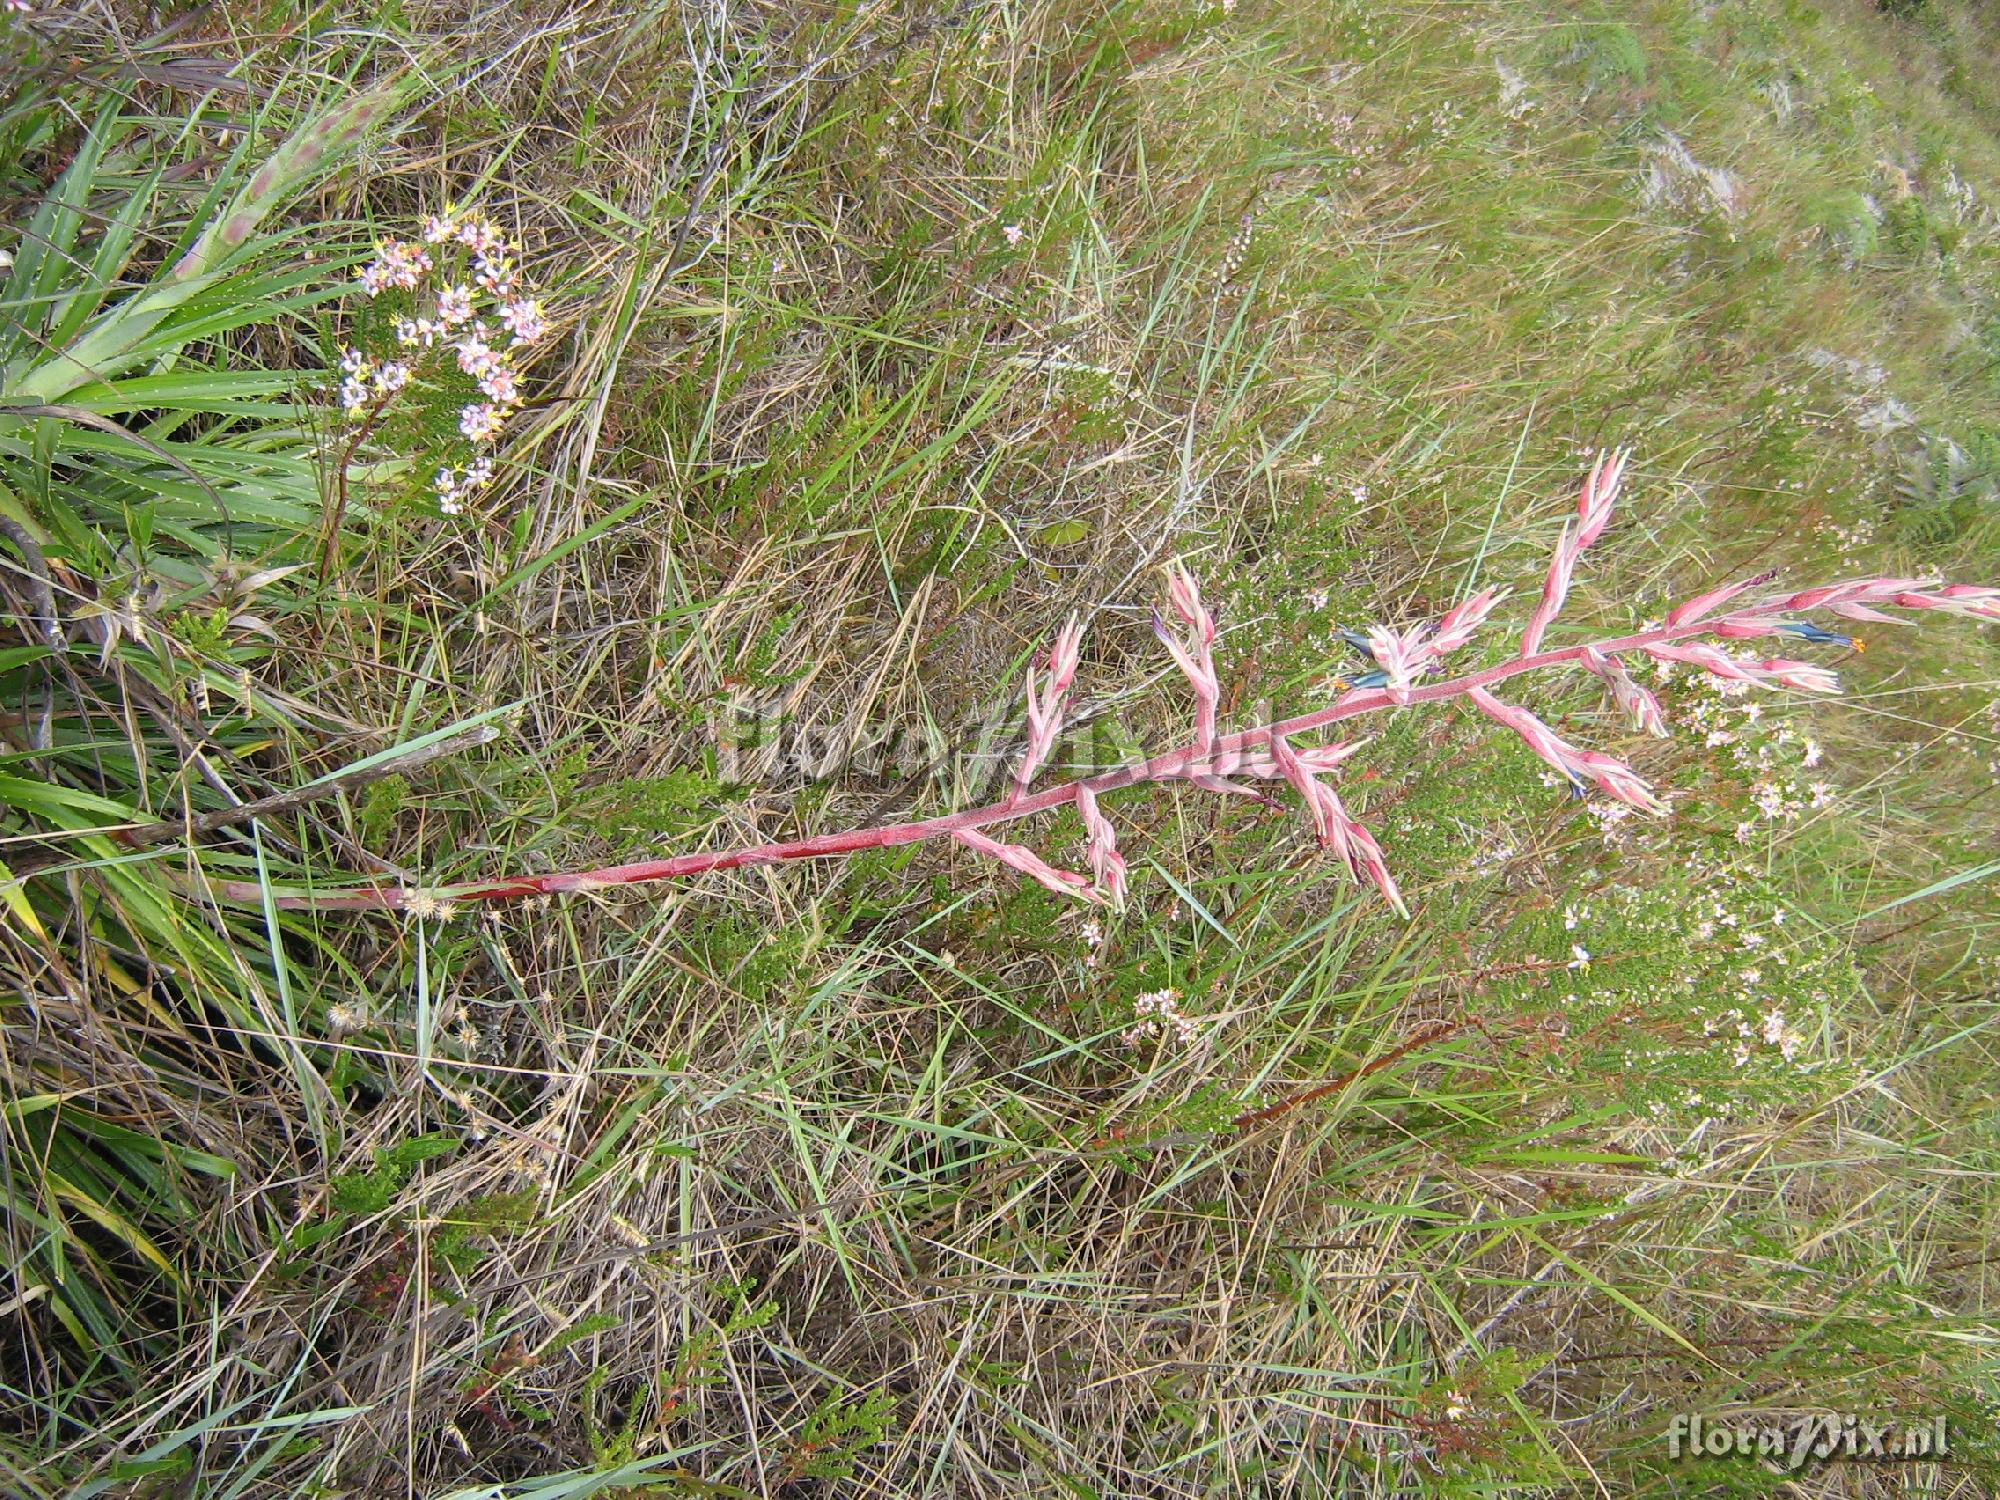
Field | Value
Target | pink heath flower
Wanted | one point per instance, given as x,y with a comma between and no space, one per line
481,422
418,333
523,318
440,228
501,385
1014,233
453,485
455,306
395,265
494,273
477,358
478,235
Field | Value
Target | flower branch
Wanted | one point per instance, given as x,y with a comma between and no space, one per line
1408,668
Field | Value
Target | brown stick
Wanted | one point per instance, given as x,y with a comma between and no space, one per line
1434,1033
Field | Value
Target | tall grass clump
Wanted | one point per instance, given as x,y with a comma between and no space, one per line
162,466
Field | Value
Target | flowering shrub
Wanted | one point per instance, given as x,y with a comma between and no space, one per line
1408,668
462,294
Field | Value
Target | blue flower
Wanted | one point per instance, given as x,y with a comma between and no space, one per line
1813,633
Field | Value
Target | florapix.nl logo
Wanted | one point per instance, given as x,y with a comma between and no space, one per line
1793,1441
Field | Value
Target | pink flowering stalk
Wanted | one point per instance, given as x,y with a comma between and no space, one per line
1410,667
1593,513
1195,655
1045,708
1641,709
1107,865
1462,621
1611,776
1020,857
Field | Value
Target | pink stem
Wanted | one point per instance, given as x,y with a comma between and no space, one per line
1170,766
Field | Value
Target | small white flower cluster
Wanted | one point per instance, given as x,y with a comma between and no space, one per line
1159,1013
454,482
459,319
1771,1029
1772,755
397,266
1092,934
1851,539
1237,250
364,381
1348,137
428,906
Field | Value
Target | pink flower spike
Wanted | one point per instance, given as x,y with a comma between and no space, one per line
1600,492
1186,596
1457,627
1702,605
1958,599
1323,758
1029,863
1404,655
1369,854
1261,762
1319,800
1593,513
1541,739
1776,672
1641,709
1611,776
1196,659
1045,718
1804,676
1862,590
1338,829
1106,863
1619,781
